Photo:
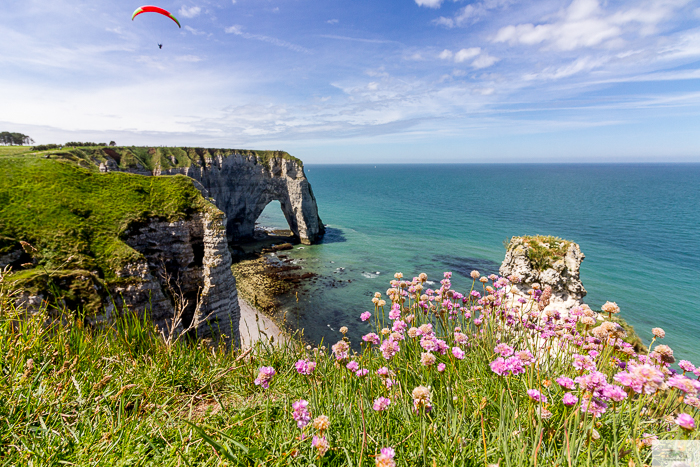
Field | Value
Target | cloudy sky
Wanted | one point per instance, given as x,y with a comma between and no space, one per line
362,80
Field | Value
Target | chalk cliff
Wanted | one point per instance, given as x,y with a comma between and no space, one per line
546,261
188,258
240,182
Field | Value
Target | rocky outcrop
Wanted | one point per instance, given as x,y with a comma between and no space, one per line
241,183
188,259
547,262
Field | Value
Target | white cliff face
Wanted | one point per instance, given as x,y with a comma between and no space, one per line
189,256
563,275
241,185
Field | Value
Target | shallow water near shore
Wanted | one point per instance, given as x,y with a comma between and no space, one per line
638,225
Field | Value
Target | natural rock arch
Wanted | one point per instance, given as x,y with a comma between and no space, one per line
242,185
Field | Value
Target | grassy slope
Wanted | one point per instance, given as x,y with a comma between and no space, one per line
74,216
122,397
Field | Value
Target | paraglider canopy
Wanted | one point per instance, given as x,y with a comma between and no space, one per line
154,9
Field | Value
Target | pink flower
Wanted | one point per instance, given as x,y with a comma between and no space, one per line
504,349
395,312
686,422
340,350
592,381
265,375
458,353
615,393
385,458
593,406
362,372
685,365
381,403
365,316
460,338
536,396
353,366
684,384
399,326
301,413
389,348
565,382
383,372
428,343
569,399
305,367
641,378
583,362
371,338
441,367
513,365
321,445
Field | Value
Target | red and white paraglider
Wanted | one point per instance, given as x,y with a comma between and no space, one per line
155,9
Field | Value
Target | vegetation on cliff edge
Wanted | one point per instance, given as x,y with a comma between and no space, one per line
74,217
542,250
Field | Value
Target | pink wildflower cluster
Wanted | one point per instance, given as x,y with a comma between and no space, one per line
385,458
305,367
509,366
642,378
381,403
301,414
265,375
340,350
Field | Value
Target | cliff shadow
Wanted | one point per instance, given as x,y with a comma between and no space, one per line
333,235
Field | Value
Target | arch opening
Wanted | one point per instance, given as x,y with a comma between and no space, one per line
272,222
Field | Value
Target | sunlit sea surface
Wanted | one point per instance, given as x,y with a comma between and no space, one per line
638,225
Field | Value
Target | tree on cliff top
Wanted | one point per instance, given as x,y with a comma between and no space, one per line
14,139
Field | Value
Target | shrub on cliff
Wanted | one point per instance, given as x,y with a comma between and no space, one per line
441,378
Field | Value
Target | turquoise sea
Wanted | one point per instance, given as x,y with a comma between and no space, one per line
638,225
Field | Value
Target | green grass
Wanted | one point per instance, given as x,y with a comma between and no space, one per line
542,250
14,150
75,216
73,395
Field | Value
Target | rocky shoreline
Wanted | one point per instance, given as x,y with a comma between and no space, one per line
264,273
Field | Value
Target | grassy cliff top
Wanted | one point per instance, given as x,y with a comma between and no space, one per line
74,216
542,250
147,157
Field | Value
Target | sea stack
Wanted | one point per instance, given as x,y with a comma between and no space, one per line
547,261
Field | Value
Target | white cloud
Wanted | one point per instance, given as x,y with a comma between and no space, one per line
194,31
484,61
429,3
332,21
238,30
190,12
446,55
465,54
472,13
585,24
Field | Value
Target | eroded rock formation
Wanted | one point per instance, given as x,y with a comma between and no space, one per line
187,258
559,268
240,183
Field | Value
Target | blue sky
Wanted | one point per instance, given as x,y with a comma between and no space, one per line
362,81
